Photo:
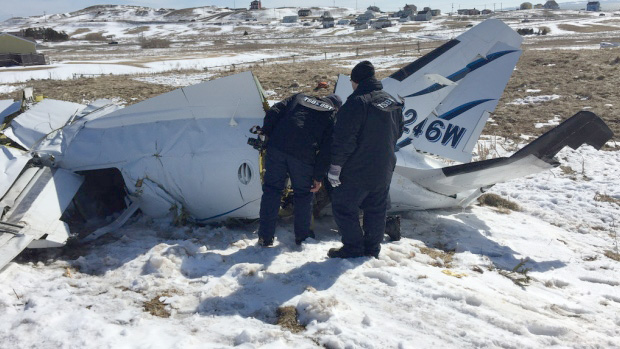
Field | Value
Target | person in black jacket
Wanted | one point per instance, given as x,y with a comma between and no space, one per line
362,162
298,131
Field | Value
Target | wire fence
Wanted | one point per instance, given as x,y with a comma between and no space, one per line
414,49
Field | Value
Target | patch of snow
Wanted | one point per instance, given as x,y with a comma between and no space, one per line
553,122
4,89
534,99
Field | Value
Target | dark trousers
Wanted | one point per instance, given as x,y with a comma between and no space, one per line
279,166
347,200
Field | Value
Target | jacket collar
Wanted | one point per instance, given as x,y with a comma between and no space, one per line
367,86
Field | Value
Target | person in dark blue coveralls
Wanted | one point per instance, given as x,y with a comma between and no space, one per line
299,131
362,162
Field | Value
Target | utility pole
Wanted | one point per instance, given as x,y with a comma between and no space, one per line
493,7
45,16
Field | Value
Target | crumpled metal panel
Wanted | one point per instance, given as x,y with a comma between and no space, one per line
30,127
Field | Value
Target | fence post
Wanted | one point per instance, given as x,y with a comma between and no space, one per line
263,61
384,50
418,47
357,51
325,55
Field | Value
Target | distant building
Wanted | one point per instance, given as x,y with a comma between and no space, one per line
593,6
382,23
435,13
365,17
426,9
304,12
410,10
328,22
344,22
539,6
326,14
290,19
551,5
486,11
373,9
17,50
255,5
423,16
361,26
525,6
407,11
469,12
10,43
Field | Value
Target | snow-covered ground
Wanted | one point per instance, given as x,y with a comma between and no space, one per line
221,290
474,277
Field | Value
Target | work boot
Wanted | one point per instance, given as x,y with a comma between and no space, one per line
265,242
373,253
392,227
301,238
343,253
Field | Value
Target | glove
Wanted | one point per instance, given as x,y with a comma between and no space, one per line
333,176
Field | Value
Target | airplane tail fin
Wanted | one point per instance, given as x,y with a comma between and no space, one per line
450,92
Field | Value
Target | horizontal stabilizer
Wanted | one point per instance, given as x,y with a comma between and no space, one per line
582,128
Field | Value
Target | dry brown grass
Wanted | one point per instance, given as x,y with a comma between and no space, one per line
156,307
593,28
288,319
409,28
441,258
606,198
137,30
107,86
456,24
613,255
79,31
181,12
499,202
95,37
583,79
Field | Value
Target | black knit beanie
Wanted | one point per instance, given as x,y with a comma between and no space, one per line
362,71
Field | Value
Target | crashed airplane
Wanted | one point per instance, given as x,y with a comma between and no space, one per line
185,152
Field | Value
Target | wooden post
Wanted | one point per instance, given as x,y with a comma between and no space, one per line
384,50
325,55
357,51
418,47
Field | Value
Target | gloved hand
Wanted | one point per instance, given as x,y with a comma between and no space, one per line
333,176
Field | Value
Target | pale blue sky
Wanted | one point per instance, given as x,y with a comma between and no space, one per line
34,7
